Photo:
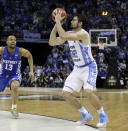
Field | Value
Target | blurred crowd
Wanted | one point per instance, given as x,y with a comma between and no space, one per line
35,16
58,66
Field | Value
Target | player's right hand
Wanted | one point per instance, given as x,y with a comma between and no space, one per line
31,74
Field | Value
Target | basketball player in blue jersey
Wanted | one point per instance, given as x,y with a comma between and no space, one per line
85,68
10,74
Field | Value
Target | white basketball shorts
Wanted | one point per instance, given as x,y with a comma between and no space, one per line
81,77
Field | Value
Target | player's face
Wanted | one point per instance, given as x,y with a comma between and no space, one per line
11,42
74,23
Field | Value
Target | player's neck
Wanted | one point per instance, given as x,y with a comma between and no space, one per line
77,29
11,51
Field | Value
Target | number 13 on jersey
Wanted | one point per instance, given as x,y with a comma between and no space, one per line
9,67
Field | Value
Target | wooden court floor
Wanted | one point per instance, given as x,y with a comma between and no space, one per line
48,102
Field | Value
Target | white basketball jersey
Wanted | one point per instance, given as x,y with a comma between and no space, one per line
81,54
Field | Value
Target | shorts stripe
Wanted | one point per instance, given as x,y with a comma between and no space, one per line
92,74
70,88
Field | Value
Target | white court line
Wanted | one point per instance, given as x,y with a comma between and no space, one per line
116,92
25,97
28,122
39,89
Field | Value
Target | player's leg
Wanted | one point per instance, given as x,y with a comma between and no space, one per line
74,84
71,99
14,92
85,115
14,83
94,100
89,87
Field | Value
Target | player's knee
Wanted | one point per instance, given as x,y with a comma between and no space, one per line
88,92
14,88
15,85
66,94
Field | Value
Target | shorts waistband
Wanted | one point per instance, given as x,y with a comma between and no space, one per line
84,65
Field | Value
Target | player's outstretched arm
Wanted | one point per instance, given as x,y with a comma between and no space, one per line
28,55
53,40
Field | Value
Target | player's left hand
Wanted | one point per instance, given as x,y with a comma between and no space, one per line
58,17
31,74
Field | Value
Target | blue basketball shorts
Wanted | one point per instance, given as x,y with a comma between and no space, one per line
7,80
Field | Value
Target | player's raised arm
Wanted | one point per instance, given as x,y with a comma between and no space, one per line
70,36
28,55
53,40
78,35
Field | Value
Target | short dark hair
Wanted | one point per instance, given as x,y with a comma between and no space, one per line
80,17
10,36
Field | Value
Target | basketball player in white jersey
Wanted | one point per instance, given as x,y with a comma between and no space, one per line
85,68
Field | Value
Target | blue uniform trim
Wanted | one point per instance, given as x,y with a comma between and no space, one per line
87,59
84,65
83,54
92,74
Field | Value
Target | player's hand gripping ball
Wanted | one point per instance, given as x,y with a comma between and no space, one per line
63,14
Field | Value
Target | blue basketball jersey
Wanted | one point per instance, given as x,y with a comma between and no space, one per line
10,64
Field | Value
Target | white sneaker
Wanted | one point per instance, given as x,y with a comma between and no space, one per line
14,113
101,125
85,118
103,120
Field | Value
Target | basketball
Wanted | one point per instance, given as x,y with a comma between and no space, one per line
63,14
